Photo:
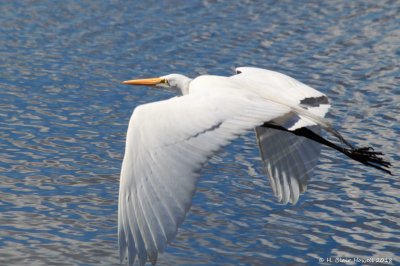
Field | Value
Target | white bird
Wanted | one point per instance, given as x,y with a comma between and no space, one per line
168,142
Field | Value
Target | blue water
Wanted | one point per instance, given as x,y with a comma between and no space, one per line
64,114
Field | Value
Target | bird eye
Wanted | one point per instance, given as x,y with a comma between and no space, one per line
164,81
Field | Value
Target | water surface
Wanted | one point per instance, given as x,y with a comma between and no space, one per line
63,118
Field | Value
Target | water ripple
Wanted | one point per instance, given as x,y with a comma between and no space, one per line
63,118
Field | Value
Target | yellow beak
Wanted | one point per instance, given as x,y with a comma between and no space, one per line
147,82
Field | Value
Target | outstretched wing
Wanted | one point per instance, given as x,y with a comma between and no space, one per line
288,159
167,143
285,90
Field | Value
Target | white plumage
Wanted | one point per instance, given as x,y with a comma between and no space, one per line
168,142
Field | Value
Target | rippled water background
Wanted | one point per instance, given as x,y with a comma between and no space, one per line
63,118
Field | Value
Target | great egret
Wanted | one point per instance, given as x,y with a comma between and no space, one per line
168,142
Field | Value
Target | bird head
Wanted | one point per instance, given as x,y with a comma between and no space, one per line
174,82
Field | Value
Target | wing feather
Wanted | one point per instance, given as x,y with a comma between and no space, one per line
167,143
288,161
285,90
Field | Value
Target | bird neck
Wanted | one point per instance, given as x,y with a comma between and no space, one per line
184,85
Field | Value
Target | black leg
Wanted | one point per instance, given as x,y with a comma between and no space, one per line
365,155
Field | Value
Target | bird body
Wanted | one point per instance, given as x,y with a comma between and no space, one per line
169,141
